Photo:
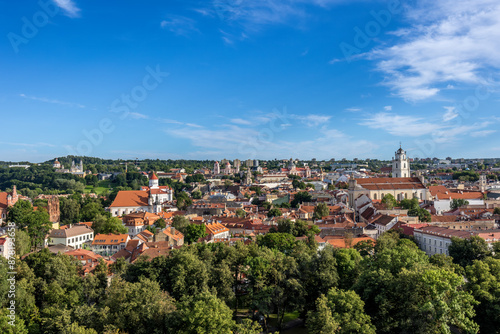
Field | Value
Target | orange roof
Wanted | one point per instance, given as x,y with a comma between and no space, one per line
110,239
388,183
130,198
216,228
154,177
340,241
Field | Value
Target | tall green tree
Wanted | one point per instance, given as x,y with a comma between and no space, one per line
321,210
465,251
204,314
389,201
193,232
347,310
483,281
321,321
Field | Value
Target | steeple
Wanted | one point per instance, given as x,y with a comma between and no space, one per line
400,164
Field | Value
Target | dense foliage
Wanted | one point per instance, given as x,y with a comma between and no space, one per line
391,288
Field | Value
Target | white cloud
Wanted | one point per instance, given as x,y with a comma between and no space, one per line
482,133
241,121
30,145
353,109
398,125
449,114
136,115
179,25
266,143
173,121
447,42
410,126
54,101
388,108
312,119
69,7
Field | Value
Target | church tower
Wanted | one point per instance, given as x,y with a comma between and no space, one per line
153,181
400,164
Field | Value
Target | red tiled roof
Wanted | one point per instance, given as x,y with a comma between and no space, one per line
110,239
130,198
390,183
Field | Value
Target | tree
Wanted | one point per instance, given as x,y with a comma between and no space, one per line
348,267
283,242
241,213
496,211
465,251
321,210
38,225
422,214
389,201
18,212
348,311
403,293
90,211
484,283
193,232
322,321
70,210
183,200
301,197
204,314
160,223
140,307
196,194
274,212
180,223
113,225
365,247
23,242
457,203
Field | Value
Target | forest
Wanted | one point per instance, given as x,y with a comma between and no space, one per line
392,287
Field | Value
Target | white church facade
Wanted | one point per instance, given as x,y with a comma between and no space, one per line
401,185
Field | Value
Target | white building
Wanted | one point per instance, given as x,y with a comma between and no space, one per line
4,246
75,236
400,164
109,244
436,240
149,199
216,170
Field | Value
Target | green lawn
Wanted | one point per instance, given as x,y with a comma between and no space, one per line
288,317
102,187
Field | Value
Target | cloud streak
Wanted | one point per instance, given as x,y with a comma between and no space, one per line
69,7
53,101
447,43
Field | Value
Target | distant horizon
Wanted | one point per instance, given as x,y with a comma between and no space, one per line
232,159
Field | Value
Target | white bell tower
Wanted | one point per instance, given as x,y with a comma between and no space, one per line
400,164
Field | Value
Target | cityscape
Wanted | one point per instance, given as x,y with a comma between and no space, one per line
248,167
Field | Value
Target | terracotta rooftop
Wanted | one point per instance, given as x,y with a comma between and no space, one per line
110,239
130,198
390,183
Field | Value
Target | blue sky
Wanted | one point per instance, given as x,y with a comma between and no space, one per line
249,79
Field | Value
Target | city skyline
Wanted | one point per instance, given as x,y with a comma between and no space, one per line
240,79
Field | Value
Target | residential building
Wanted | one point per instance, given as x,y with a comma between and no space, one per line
217,231
109,244
75,236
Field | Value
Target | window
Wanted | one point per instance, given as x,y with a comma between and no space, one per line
374,196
